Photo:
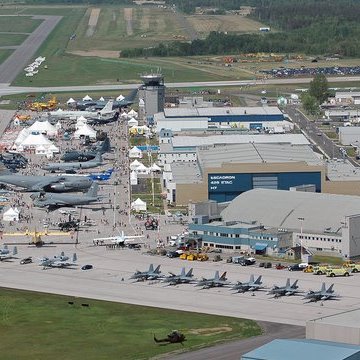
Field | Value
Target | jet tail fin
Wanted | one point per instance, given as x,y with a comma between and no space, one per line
131,97
223,276
157,270
151,268
287,283
189,274
330,289
217,276
323,287
15,251
294,284
98,157
258,280
107,108
251,278
105,146
74,259
93,190
183,271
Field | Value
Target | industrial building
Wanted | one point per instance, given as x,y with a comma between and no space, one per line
273,220
300,349
349,135
254,118
348,97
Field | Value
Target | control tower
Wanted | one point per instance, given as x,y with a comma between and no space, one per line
153,93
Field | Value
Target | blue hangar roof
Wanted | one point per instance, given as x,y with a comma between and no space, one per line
300,349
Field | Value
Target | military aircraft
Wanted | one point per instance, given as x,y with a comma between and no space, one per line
6,255
55,201
182,278
58,262
103,176
150,274
216,281
99,104
72,166
104,120
251,285
121,239
76,155
322,294
286,290
174,337
74,114
57,184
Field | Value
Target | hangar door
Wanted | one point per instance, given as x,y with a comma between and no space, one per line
265,182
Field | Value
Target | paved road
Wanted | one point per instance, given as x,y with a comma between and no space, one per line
5,89
235,349
23,54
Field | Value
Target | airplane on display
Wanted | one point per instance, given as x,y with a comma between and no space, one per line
150,274
6,255
55,201
72,166
77,155
321,295
99,104
216,281
122,239
57,184
251,285
286,290
74,114
104,120
182,278
103,176
58,262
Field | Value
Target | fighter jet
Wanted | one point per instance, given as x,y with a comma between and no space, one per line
251,285
122,239
57,184
216,281
117,104
55,201
74,114
151,274
6,255
182,278
322,294
58,262
286,290
72,166
104,120
76,155
103,176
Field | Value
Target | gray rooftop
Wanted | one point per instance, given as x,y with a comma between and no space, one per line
186,172
349,319
342,171
282,209
346,94
295,139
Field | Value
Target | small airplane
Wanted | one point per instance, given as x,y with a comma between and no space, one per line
117,104
75,155
72,166
6,255
58,262
251,285
74,114
216,281
174,337
150,274
286,290
56,184
182,278
55,201
121,239
323,294
103,176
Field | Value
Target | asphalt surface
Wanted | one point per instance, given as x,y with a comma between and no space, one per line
24,53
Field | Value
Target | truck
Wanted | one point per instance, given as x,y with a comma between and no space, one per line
354,268
320,269
332,272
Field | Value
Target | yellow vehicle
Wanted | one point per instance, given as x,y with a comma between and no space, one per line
202,257
40,106
192,257
354,268
332,272
184,256
320,269
309,269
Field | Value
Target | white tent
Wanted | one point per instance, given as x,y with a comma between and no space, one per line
87,98
138,205
101,99
155,168
120,98
142,169
16,121
133,113
133,122
23,134
141,102
58,125
85,130
12,214
35,141
135,152
133,178
43,127
71,101
135,164
124,115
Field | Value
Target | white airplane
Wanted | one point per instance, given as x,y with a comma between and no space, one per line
122,239
74,114
6,255
58,262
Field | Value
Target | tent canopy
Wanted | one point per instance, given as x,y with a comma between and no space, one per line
85,130
87,98
70,101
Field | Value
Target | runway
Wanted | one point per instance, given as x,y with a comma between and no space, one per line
24,53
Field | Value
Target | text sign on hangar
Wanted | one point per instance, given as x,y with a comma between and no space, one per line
228,182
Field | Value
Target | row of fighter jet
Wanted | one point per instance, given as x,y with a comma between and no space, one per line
240,287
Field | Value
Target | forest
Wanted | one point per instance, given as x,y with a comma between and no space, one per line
314,27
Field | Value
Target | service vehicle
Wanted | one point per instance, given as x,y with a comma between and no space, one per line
332,272
321,269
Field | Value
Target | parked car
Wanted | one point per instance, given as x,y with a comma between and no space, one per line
296,267
248,261
87,267
27,260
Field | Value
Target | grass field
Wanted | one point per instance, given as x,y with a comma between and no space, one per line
4,54
18,24
11,39
41,326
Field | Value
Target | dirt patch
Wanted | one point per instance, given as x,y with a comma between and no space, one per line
128,17
145,20
97,53
210,331
93,20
